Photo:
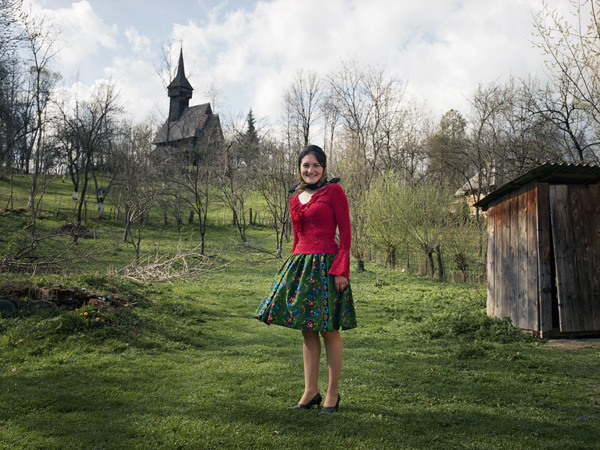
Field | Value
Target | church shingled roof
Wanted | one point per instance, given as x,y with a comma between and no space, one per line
191,123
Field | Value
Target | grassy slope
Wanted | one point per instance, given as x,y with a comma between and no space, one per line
190,368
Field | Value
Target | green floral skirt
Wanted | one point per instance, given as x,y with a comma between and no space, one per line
303,296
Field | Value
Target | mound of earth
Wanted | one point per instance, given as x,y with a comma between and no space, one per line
56,297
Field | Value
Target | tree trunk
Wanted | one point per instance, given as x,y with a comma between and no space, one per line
391,257
431,265
360,265
441,272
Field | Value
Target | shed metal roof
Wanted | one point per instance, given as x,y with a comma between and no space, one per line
547,173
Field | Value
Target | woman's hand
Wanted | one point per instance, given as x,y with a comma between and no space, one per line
340,282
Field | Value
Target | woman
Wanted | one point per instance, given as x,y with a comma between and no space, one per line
311,292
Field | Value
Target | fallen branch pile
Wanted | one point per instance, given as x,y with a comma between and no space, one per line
159,268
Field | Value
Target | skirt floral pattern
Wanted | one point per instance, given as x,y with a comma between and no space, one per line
303,296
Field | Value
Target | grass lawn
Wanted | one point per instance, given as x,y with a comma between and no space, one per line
192,369
186,366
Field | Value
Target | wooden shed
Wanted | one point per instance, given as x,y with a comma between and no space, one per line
543,261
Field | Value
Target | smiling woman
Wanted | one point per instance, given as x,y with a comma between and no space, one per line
311,292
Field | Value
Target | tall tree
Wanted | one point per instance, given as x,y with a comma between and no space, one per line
577,133
303,99
86,131
367,103
41,39
448,149
192,171
249,151
278,172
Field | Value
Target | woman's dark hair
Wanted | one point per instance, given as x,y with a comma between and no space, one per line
315,150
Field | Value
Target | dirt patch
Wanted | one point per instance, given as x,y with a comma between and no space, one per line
574,344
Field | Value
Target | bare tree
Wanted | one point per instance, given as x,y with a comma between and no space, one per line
138,181
234,177
41,38
302,100
576,131
276,177
405,151
86,131
193,168
366,104
11,81
571,45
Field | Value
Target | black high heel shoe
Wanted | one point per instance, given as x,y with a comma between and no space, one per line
316,400
330,409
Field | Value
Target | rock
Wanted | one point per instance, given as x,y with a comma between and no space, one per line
7,306
39,304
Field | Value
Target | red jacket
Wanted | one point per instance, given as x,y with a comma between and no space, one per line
315,223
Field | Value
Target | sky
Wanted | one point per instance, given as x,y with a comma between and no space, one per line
250,50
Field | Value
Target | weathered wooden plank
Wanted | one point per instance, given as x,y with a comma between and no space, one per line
544,250
502,239
595,214
491,262
532,298
498,259
583,303
590,214
512,275
520,311
564,261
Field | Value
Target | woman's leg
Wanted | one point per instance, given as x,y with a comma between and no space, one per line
334,349
311,353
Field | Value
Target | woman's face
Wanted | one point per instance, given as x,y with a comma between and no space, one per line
310,169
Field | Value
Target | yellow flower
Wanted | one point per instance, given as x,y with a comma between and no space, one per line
85,313
97,318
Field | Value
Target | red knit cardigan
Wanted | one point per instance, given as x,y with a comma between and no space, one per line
314,225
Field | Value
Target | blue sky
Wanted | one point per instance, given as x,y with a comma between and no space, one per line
250,50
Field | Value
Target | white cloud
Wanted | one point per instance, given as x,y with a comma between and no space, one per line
443,48
141,91
139,43
83,33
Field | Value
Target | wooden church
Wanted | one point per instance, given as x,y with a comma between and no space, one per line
191,129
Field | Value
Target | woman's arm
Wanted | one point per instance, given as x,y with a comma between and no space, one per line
294,231
339,202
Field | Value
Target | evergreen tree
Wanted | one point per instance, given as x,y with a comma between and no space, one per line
250,150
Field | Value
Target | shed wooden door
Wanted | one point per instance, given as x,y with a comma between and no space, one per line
575,221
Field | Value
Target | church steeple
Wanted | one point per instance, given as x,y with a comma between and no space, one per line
180,92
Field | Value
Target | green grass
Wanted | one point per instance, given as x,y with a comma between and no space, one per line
186,366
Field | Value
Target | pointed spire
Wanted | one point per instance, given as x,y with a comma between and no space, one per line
180,92
180,81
